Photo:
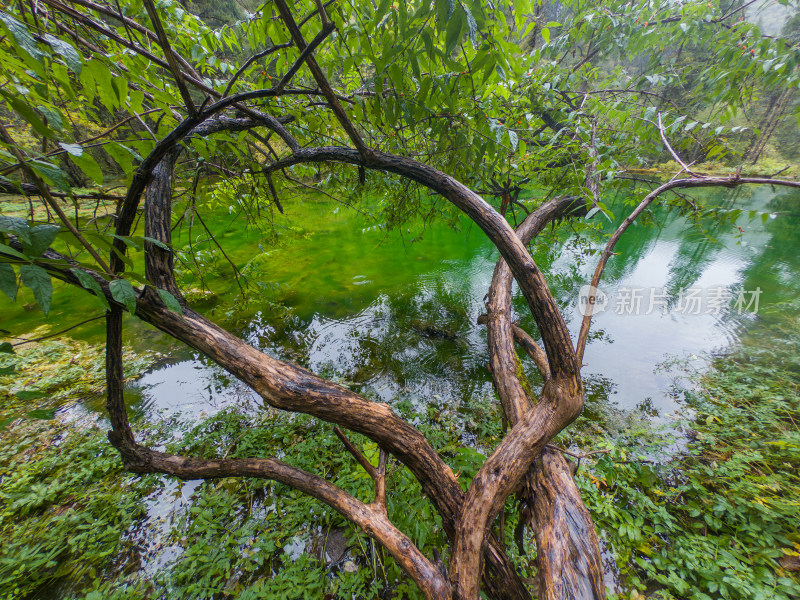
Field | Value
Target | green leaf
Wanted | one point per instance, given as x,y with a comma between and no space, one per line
91,284
158,243
52,117
22,36
170,301
127,241
38,281
8,281
17,226
6,422
27,113
96,77
521,10
67,52
453,32
123,292
592,212
472,27
513,138
7,348
9,370
73,149
123,155
120,85
47,414
444,10
88,165
41,238
383,7
51,172
9,250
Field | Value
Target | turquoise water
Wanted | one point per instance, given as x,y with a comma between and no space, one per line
392,314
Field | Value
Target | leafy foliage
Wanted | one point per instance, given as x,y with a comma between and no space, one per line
64,508
563,96
714,521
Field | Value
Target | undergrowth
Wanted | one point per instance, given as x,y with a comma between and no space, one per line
718,519
703,511
65,507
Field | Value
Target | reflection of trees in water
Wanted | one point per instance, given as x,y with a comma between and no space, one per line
421,337
420,341
774,268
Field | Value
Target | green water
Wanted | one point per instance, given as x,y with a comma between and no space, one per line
393,314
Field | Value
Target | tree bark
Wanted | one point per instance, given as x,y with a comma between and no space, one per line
568,553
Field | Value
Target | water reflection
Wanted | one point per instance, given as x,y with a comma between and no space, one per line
397,321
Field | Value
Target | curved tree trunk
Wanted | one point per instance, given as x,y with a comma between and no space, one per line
568,553
289,387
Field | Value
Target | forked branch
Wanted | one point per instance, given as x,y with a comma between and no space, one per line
378,474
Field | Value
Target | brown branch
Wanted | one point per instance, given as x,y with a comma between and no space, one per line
89,140
57,333
380,480
323,15
92,24
369,517
378,474
44,191
30,189
373,519
362,460
674,154
250,61
524,339
577,455
533,427
274,193
121,434
322,81
163,40
543,489
533,350
131,24
327,29
288,387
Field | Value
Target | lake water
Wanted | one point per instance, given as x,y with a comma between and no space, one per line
393,314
